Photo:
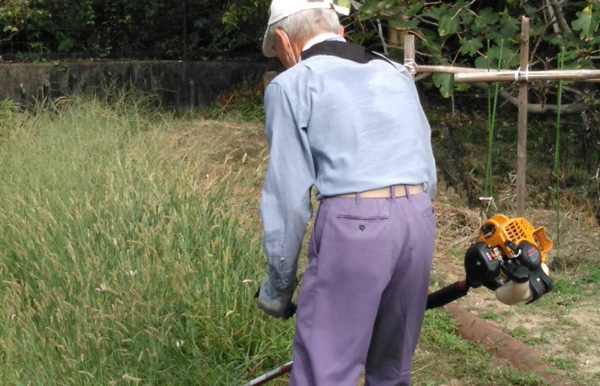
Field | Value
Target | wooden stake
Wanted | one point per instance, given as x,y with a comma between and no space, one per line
410,53
523,101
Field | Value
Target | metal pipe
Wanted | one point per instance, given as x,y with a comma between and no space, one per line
271,375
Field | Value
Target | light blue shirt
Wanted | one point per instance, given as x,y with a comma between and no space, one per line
343,127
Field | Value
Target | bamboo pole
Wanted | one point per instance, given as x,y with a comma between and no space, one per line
477,75
524,75
523,102
446,69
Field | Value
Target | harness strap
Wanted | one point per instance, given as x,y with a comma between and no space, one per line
344,50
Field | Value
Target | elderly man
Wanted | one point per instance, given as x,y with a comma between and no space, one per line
348,122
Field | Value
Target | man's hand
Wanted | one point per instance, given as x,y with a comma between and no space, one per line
274,302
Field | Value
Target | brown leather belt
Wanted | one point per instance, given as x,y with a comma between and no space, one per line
386,192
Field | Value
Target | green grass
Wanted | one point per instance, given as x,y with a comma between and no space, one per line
123,262
244,104
565,365
575,286
447,357
522,333
491,315
117,264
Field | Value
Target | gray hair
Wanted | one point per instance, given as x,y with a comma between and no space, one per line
307,24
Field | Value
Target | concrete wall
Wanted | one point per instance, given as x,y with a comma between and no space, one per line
178,84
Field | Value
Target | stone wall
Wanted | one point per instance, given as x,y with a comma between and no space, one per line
178,84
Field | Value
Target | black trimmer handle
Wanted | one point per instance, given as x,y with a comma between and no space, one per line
290,310
447,294
435,299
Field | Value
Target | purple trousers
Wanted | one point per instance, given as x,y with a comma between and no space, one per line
364,292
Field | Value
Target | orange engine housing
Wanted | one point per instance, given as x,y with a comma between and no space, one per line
499,230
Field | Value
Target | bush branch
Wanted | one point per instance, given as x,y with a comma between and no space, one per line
560,16
538,108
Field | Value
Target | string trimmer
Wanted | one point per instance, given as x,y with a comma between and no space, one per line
508,257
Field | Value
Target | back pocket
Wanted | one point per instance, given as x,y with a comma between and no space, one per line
349,217
427,213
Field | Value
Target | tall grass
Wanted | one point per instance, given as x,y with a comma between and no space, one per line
122,263
118,264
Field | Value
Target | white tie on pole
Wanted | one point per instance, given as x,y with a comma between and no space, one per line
518,74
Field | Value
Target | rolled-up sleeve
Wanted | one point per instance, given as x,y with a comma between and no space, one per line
285,206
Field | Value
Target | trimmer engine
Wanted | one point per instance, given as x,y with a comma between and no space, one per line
509,258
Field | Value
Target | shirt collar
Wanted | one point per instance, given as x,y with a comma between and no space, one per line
321,38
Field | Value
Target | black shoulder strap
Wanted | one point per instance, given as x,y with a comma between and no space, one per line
343,50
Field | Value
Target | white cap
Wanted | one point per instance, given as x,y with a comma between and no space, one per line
280,9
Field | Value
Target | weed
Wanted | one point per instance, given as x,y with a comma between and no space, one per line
458,254
574,288
591,274
244,104
522,333
117,263
564,321
491,315
579,345
10,119
565,364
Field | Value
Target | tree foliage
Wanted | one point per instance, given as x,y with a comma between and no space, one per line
450,32
486,34
153,28
481,33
